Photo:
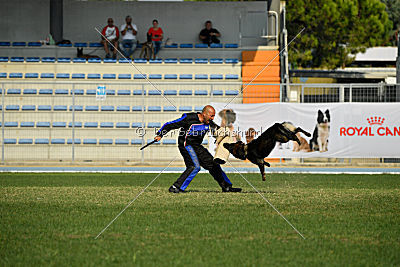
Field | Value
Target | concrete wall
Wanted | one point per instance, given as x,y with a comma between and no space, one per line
181,21
22,20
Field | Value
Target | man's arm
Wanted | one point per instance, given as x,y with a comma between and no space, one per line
175,124
216,33
202,35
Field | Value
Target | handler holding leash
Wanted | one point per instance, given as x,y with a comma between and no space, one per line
193,128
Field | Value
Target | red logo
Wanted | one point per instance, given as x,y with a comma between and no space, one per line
376,120
369,130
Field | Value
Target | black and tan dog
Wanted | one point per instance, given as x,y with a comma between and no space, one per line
148,49
261,147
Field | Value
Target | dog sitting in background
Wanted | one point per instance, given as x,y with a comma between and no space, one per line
319,141
148,49
81,55
261,147
303,147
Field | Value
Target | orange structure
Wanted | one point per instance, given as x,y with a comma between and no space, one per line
252,63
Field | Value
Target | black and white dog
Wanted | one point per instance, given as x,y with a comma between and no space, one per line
319,141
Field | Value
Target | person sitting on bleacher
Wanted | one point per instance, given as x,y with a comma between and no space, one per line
110,32
156,34
128,32
209,35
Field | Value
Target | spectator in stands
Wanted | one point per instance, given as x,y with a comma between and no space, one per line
128,32
110,32
209,35
156,34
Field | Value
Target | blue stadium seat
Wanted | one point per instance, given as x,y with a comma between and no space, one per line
174,45
122,141
140,60
94,76
200,92
216,76
13,91
45,91
27,124
169,108
186,45
231,45
201,45
185,60
216,45
15,75
137,124
47,75
31,75
139,76
201,61
3,59
5,44
77,91
201,76
62,75
231,76
61,92
123,108
155,61
123,60
109,76
198,108
125,76
124,92
25,141
217,92
136,142
107,108
110,92
60,108
64,60
90,141
34,44
122,125
44,108
169,142
106,141
154,92
11,124
231,61
1,107
76,124
185,108
45,124
216,60
76,141
28,108
12,107
109,60
137,108
64,45
79,60
231,92
155,76
154,108
59,124
91,124
76,108
19,44
91,92
153,125
78,76
17,59
106,125
80,44
48,59
185,76
170,76
32,59
10,141
94,60
57,141
92,108
41,141
170,92
3,74
167,60
185,92
95,45
30,91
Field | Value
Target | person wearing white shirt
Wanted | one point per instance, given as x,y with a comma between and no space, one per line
128,32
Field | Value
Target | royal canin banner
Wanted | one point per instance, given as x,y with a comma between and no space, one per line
338,130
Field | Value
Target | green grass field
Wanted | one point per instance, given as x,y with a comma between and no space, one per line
52,219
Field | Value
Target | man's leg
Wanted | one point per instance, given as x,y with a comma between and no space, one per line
215,40
133,47
124,50
192,168
115,43
105,44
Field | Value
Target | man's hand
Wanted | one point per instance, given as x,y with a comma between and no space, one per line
158,138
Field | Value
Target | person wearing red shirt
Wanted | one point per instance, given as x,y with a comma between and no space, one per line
156,34
111,33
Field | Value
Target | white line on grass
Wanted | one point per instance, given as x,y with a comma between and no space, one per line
133,200
266,200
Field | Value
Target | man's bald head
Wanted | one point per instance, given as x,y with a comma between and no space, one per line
208,114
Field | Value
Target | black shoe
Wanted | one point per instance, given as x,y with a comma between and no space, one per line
174,189
231,189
